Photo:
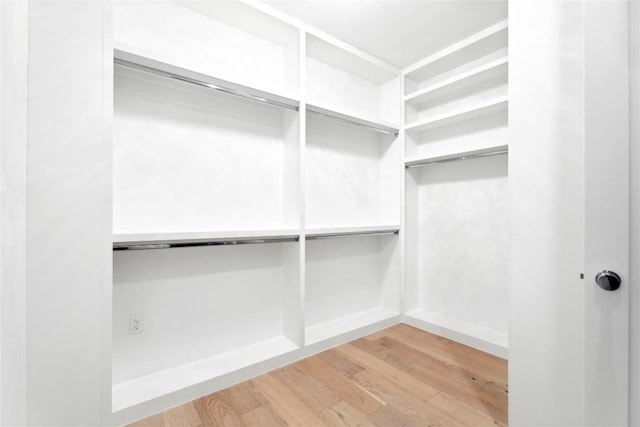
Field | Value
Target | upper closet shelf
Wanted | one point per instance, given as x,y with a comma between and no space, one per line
484,71
487,40
163,69
336,232
465,113
453,157
142,241
352,120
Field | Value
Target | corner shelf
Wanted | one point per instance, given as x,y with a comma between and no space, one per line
484,71
163,69
487,40
480,109
139,390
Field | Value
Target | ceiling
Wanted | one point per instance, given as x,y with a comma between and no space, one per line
399,32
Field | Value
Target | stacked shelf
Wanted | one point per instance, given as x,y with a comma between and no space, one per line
241,233
456,191
456,100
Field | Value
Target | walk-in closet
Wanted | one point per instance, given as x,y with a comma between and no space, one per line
203,198
277,192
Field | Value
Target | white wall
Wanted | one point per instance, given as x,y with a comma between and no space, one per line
634,231
68,213
546,169
13,52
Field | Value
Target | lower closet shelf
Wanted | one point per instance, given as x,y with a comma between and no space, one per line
158,384
334,328
480,337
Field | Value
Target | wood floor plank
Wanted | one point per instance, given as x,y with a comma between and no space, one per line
243,397
352,393
450,352
402,399
293,409
263,416
374,364
314,393
214,411
183,415
453,370
398,376
343,414
344,365
442,379
462,413
390,416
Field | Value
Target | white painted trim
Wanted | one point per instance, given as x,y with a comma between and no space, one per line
471,334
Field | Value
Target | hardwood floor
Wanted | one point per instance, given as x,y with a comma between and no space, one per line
400,376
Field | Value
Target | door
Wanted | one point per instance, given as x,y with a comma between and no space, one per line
569,178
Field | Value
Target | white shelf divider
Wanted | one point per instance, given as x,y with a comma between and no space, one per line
143,389
468,333
485,69
468,112
353,120
164,69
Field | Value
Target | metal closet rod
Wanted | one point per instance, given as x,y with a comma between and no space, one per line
186,244
351,122
352,234
420,163
202,83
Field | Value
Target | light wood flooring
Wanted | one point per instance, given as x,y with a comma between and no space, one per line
401,376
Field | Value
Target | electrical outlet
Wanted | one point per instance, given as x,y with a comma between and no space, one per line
136,323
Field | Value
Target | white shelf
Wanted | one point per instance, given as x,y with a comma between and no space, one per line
378,126
485,71
414,71
132,59
349,60
458,155
196,236
335,328
465,113
471,334
161,383
349,231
